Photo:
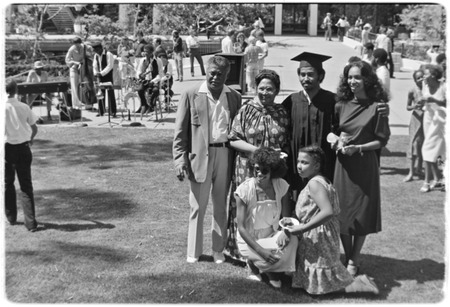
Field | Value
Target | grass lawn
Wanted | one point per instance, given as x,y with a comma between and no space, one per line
116,229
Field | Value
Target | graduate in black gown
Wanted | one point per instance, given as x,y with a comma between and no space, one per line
311,114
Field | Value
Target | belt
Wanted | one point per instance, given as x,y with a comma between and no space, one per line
225,144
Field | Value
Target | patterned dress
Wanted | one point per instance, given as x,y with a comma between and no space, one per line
318,266
261,126
415,125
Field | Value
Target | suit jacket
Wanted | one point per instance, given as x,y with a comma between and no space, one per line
191,135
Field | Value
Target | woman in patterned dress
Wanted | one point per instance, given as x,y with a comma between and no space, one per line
259,123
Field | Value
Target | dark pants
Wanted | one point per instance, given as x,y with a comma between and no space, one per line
195,53
18,160
390,62
111,102
153,90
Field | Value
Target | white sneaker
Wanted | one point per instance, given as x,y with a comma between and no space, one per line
255,277
191,260
275,283
218,257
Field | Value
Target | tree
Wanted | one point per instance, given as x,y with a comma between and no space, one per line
428,19
217,17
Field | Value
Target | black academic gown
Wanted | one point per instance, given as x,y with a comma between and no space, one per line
310,124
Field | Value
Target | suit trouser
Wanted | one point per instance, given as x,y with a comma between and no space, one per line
217,184
195,54
18,160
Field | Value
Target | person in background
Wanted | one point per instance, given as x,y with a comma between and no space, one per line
441,60
252,53
432,53
241,44
379,63
365,34
125,53
368,52
357,169
390,33
256,28
319,268
359,22
103,70
167,79
74,59
384,42
140,43
328,24
434,99
259,123
228,41
260,202
341,25
416,137
150,72
261,42
20,131
178,54
193,46
39,75
201,152
157,44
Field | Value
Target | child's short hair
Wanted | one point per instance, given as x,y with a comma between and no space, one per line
316,153
11,87
268,159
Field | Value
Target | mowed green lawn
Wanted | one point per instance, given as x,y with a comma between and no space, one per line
116,229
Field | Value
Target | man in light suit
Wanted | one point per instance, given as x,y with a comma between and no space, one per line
200,150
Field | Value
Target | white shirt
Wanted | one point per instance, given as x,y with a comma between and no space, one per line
384,42
227,45
97,65
219,114
143,66
192,42
383,75
18,121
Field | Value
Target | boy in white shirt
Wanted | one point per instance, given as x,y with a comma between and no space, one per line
20,130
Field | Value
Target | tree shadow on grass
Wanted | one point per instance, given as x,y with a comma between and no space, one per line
75,154
81,204
70,227
52,251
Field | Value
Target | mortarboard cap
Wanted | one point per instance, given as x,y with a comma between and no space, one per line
309,59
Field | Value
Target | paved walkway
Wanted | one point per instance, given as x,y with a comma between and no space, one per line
281,50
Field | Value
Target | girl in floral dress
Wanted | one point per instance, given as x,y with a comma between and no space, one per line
318,266
259,123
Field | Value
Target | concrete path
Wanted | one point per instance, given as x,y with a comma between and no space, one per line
281,50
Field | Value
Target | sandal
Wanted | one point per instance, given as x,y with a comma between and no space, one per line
425,188
353,269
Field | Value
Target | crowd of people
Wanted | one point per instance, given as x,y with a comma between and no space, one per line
285,179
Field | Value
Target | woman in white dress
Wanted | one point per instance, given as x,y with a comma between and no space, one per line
260,201
261,42
433,149
74,59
